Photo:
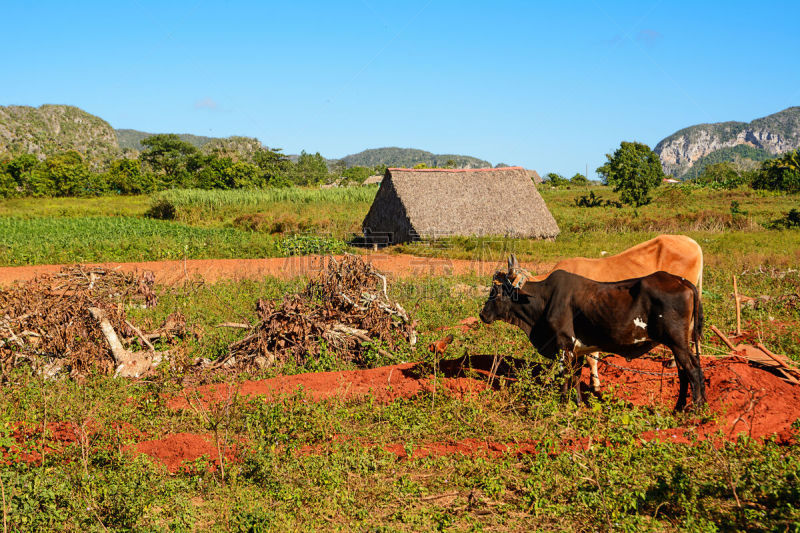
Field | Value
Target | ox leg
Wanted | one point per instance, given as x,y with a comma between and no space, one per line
576,378
683,378
595,376
689,371
565,370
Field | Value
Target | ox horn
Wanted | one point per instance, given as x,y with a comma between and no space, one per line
513,264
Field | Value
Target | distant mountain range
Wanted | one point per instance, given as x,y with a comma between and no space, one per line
408,157
49,129
686,152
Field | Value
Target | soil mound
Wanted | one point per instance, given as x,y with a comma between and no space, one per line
177,452
385,384
746,399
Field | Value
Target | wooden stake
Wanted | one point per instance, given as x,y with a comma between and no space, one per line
778,359
723,338
738,308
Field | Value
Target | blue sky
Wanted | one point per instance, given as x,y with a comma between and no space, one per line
551,86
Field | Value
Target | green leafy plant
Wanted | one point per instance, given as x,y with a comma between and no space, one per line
310,244
633,170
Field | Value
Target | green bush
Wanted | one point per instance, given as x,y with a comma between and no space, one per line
781,174
162,210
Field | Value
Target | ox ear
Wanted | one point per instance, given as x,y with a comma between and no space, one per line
513,264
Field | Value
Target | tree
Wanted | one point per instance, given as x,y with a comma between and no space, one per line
125,176
310,169
168,155
64,174
555,180
15,173
634,170
275,167
781,174
356,174
725,175
579,180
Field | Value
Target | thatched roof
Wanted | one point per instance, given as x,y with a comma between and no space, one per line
373,180
413,203
532,174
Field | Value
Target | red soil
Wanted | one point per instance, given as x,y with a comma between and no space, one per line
177,451
746,399
212,270
385,384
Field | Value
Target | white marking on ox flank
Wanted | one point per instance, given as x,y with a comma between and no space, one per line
637,341
639,323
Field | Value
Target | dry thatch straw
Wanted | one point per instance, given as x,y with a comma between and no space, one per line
373,180
533,175
429,203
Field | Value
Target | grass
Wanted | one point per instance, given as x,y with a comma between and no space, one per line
94,239
225,224
349,481
335,212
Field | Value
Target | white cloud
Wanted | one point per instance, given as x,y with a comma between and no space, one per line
206,103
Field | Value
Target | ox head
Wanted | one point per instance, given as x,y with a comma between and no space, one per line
504,292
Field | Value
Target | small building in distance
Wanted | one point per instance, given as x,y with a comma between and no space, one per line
429,203
533,175
373,180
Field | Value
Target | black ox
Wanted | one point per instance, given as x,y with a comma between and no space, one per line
569,315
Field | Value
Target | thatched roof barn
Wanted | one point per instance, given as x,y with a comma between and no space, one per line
532,174
424,203
373,180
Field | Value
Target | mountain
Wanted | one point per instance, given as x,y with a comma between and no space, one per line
408,157
773,135
49,129
132,139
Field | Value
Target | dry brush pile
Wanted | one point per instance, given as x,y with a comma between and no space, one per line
345,309
75,321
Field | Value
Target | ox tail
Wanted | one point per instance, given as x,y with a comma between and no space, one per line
697,331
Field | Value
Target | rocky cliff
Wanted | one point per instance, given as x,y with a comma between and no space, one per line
775,134
49,129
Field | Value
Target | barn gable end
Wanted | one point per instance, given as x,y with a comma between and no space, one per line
427,203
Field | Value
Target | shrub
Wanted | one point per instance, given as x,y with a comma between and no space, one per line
592,200
162,210
790,221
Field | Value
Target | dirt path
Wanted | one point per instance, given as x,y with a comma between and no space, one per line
212,270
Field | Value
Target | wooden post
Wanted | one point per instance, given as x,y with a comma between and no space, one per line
723,338
738,308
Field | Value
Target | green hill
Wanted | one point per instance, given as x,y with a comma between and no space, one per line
408,157
49,129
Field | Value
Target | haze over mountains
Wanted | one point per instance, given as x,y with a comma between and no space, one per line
50,129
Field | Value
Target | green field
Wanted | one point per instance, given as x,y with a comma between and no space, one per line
324,465
247,224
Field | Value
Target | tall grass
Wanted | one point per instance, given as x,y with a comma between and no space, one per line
263,198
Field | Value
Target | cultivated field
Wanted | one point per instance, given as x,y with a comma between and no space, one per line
402,438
